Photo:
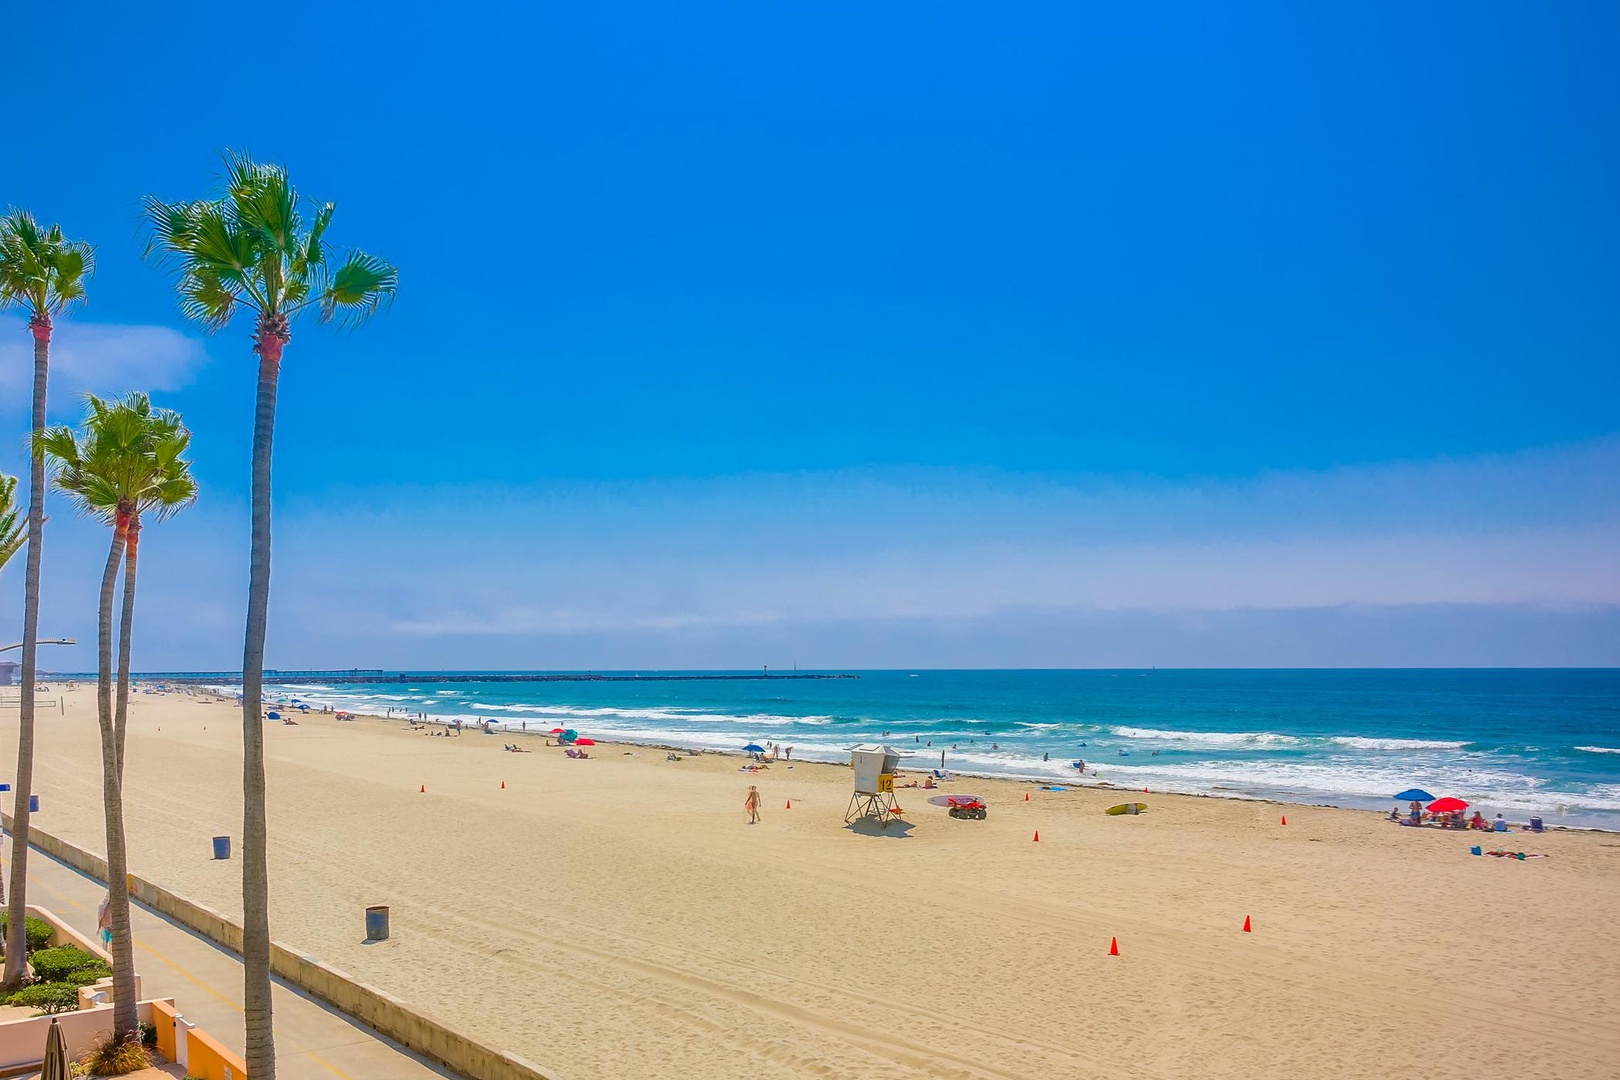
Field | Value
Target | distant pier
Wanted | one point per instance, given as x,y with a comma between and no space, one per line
351,676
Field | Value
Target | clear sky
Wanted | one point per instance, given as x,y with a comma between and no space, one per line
855,334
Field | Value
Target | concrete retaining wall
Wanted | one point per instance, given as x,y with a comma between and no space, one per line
371,1006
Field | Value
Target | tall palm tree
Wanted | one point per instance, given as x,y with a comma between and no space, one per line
43,273
124,462
12,537
253,247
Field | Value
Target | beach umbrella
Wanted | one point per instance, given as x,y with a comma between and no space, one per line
584,742
55,1066
1414,795
274,715
1447,805
556,731
754,748
569,736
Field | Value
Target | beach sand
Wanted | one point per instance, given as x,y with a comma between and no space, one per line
617,918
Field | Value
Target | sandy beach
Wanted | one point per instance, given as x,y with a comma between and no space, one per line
617,917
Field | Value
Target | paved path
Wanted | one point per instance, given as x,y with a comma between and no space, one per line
313,1040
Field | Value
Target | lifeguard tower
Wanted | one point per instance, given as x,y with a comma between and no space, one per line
874,783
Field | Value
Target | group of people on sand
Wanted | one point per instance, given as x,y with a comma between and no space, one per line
1452,819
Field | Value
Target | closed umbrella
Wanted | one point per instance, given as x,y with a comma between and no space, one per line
56,1055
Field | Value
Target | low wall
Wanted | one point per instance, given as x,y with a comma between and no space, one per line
207,1059
379,1010
22,1042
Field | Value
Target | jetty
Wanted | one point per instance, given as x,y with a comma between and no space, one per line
353,676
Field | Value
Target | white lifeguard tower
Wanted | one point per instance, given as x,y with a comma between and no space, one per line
875,766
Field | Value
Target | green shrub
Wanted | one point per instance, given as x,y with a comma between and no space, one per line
36,930
47,997
148,1035
65,963
115,1056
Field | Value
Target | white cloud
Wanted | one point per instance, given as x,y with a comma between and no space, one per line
104,358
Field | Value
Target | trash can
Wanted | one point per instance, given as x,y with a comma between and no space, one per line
377,922
222,847
33,804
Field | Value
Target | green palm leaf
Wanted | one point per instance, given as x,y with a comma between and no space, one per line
12,534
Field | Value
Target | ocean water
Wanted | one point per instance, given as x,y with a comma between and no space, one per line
1520,742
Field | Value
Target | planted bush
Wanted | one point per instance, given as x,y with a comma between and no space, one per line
115,1056
148,1035
67,964
47,997
36,930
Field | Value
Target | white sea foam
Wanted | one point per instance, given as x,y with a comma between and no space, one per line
1599,749
1359,743
1209,739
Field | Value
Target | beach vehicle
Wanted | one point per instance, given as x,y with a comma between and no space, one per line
966,806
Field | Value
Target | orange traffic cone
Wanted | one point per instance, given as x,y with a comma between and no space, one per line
1285,819
424,789
1113,946
1246,928
1037,836
1144,791
503,785
1026,794
790,804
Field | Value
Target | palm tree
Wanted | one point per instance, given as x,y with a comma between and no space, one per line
253,248
12,537
43,273
126,461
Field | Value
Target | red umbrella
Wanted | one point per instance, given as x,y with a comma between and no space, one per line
584,742
557,730
1447,806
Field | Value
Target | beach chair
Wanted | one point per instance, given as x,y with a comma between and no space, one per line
1536,825
941,774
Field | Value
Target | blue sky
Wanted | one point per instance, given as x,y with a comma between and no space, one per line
857,336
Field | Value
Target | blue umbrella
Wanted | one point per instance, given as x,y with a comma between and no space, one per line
1414,795
754,748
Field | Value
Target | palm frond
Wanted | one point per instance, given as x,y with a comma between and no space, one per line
360,287
125,455
13,535
40,269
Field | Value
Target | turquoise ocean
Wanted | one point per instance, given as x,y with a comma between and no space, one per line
1519,742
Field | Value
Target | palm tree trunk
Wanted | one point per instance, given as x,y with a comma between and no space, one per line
261,1046
126,625
123,953
16,941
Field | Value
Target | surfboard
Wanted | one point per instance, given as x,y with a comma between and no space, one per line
1127,808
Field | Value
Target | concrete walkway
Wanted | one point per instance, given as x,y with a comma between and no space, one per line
313,1040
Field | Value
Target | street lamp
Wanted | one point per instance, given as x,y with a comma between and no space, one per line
42,641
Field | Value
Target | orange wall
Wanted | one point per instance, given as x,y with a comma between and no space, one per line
163,1020
209,1060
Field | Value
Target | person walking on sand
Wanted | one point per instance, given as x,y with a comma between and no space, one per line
751,804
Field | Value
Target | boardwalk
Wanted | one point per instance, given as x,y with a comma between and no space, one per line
313,1041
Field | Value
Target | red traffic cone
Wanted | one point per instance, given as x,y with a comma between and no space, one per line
790,804
424,790
1285,819
1113,946
1026,796
503,785
1144,791
1037,836
1246,927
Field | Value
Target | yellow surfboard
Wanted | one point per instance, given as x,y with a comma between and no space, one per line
1127,808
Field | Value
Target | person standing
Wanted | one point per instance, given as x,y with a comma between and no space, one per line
104,922
751,804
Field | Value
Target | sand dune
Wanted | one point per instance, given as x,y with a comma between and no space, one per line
617,918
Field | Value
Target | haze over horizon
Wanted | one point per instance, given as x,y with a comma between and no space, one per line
927,336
